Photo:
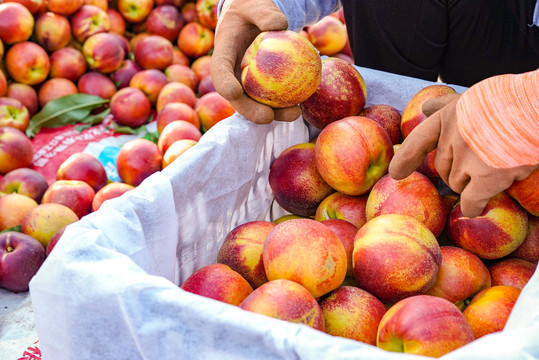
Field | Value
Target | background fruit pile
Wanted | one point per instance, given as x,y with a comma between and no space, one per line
123,64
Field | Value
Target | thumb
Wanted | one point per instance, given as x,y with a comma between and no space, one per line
267,17
422,140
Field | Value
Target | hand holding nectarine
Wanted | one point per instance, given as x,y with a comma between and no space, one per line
455,161
239,24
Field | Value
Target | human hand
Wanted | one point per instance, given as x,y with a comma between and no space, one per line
238,25
456,163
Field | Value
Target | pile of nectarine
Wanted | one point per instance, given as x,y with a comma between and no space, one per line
391,263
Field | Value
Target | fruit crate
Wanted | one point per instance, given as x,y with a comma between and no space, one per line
110,288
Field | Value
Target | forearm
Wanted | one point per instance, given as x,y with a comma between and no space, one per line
301,12
499,119
305,12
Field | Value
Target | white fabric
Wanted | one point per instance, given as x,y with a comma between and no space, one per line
109,289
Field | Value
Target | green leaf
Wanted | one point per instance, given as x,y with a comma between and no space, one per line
125,130
142,129
13,228
96,118
66,110
92,120
152,136
129,130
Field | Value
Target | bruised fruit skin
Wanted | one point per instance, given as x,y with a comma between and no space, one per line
342,92
280,69
285,300
414,195
242,251
296,183
461,276
307,252
346,232
395,256
352,154
166,21
218,282
423,325
352,313
499,230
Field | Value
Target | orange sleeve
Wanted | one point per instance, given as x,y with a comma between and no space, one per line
499,119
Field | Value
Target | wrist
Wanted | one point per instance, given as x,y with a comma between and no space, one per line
220,7
497,117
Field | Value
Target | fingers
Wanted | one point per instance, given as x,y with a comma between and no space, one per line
268,17
481,189
443,162
458,180
430,106
224,80
412,151
239,24
287,114
252,110
473,199
225,59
